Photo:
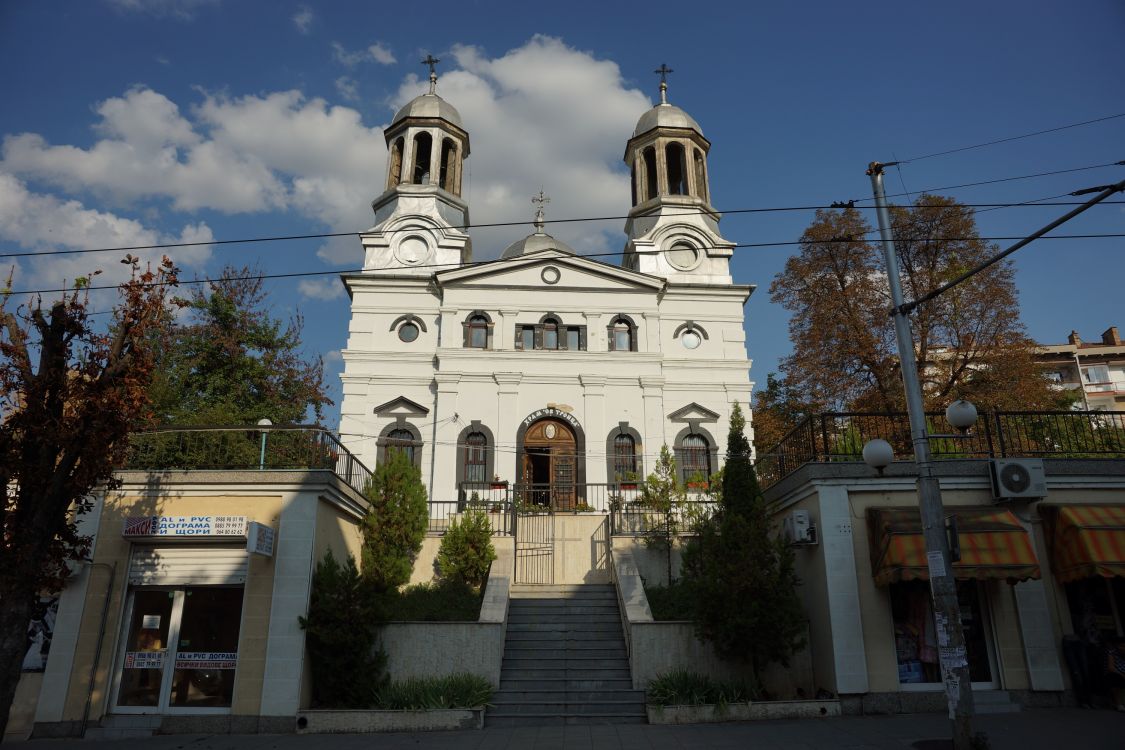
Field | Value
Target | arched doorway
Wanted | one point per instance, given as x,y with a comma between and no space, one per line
549,464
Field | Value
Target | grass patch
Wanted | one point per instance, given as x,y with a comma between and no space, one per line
682,688
669,602
461,690
446,601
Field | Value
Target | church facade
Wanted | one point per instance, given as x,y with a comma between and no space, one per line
543,367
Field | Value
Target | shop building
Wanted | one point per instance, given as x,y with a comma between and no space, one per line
1040,580
186,618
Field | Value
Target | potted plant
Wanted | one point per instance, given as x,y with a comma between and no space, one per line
497,483
628,482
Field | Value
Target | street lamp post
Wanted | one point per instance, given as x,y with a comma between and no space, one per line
947,614
263,422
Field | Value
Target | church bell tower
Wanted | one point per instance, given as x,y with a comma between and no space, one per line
420,218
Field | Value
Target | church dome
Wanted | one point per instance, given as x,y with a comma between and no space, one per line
666,116
429,105
533,243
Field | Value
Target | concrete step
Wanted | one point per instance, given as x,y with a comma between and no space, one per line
596,645
562,591
569,696
112,733
571,667
564,627
994,702
546,652
503,719
566,634
131,721
609,608
563,708
540,672
565,683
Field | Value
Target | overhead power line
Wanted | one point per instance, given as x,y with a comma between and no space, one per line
1005,179
475,264
1013,138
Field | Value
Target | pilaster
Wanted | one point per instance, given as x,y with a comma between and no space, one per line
508,418
593,391
443,453
655,434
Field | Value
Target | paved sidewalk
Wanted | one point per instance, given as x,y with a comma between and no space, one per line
1049,729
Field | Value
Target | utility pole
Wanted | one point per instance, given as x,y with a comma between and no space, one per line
947,613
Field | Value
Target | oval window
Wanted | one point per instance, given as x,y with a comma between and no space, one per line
407,332
690,340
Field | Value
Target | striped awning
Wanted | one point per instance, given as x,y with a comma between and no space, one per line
994,544
1087,541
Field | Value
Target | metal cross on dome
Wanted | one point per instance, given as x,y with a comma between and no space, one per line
540,219
663,70
432,61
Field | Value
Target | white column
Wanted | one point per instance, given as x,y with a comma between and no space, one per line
508,419
443,452
505,336
593,388
654,429
849,657
652,332
292,582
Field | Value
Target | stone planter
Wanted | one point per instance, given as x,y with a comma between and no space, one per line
362,721
755,711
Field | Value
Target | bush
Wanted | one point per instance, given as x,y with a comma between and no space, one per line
682,688
395,525
341,628
670,602
466,550
461,690
444,601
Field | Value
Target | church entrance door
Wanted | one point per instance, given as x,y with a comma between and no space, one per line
548,465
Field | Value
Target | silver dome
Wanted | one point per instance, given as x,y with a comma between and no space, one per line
534,243
429,105
666,116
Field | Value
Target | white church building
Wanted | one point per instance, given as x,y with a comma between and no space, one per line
543,367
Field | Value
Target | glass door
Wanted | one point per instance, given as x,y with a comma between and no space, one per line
180,650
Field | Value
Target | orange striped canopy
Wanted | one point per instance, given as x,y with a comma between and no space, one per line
994,544
1087,541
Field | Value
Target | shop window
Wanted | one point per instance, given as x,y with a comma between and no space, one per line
476,457
916,642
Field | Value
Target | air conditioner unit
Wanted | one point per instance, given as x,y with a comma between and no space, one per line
799,528
1018,478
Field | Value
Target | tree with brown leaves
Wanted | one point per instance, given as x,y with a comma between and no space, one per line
970,342
70,393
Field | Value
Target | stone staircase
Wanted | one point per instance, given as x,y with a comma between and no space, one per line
565,660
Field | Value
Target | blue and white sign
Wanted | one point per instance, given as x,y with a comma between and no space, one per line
183,526
260,539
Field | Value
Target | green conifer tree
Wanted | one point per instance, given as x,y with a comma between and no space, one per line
396,523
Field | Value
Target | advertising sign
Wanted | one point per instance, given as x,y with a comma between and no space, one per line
144,660
260,539
181,526
207,660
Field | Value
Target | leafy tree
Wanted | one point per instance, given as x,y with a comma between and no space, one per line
342,631
233,363
969,342
778,408
742,577
466,551
69,396
396,523
664,499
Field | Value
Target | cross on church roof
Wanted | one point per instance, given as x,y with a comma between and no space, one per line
432,61
663,70
540,219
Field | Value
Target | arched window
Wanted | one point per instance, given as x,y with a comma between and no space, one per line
399,440
624,458
478,332
550,334
395,173
423,145
476,457
649,155
695,458
700,175
633,182
677,168
622,335
448,165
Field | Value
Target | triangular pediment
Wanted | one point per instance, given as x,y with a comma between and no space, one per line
693,412
401,406
549,269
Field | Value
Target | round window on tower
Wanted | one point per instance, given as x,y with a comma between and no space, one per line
408,332
412,250
682,256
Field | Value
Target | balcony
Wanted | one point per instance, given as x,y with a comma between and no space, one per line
296,448
840,436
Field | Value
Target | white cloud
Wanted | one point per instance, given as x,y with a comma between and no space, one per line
321,288
381,54
377,52
333,358
303,19
347,88
181,9
36,222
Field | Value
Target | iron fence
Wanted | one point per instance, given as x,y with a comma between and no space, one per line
245,448
840,436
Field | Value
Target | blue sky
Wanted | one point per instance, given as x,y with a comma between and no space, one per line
134,121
